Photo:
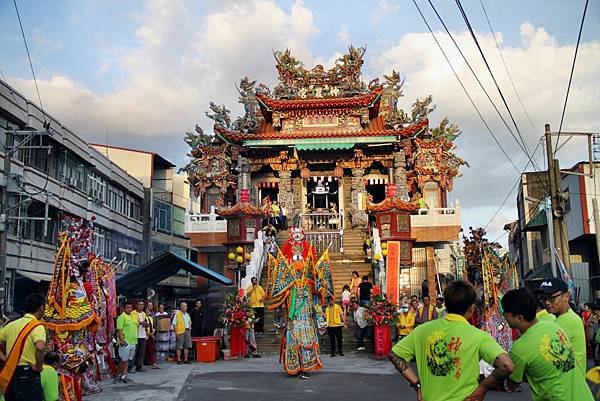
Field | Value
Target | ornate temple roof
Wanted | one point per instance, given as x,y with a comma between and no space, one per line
243,208
362,100
391,203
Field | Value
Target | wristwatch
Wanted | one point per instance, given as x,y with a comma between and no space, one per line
416,386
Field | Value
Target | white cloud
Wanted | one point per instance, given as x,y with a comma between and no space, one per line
343,35
540,69
384,9
183,61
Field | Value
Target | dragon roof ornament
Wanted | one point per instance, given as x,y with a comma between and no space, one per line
342,80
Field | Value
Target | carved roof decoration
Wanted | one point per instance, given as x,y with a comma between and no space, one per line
243,208
342,80
390,204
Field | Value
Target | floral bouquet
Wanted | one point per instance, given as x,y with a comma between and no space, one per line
237,312
381,311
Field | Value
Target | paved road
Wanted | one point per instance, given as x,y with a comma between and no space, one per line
349,378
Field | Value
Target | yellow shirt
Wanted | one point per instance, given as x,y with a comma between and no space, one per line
256,295
333,315
11,331
408,320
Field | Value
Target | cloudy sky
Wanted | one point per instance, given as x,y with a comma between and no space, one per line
144,71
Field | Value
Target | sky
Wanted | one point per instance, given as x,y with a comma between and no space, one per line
141,73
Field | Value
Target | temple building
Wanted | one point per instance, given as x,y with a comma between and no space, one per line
333,150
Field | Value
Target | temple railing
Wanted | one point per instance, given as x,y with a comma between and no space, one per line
439,216
205,223
322,239
322,221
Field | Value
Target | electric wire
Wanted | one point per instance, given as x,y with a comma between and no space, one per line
465,89
30,63
472,32
506,66
481,84
562,117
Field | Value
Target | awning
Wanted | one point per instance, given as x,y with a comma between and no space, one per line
321,143
35,276
537,222
539,274
162,267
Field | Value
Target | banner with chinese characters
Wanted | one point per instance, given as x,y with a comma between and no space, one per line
382,340
392,271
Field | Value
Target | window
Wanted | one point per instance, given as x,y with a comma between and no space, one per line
29,219
178,221
97,187
162,216
134,208
116,199
72,171
34,152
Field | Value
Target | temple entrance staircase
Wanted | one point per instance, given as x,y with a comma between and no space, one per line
342,265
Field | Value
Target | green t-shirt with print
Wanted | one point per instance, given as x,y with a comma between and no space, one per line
545,315
447,352
573,326
544,355
129,326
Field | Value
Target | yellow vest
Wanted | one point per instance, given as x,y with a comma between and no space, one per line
333,315
180,326
406,319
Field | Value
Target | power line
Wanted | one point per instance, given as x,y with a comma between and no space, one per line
506,66
470,28
524,149
571,75
465,89
512,189
30,63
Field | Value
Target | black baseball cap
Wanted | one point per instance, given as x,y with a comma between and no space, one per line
551,285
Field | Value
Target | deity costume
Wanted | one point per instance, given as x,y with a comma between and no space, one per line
300,284
78,304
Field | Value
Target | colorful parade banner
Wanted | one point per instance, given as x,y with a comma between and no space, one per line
392,271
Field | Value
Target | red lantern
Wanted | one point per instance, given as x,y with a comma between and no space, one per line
338,172
377,290
305,173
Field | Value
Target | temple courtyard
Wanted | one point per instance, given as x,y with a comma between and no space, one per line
354,377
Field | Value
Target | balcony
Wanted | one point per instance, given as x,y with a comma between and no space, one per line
205,223
436,224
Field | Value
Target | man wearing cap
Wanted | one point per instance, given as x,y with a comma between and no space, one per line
554,294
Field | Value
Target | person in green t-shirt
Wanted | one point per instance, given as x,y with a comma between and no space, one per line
448,351
49,376
127,330
543,354
554,293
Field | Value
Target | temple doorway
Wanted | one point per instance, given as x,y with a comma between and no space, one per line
322,194
269,190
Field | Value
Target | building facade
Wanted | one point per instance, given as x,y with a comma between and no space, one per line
529,237
53,173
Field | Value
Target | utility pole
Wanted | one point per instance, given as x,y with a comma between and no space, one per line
561,240
4,220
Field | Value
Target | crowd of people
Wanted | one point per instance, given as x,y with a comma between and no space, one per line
30,373
549,349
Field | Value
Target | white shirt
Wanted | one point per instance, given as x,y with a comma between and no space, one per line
359,317
141,329
187,321
346,295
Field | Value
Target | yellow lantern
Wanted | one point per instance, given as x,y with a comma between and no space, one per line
239,259
248,256
239,249
231,256
384,252
384,245
377,257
